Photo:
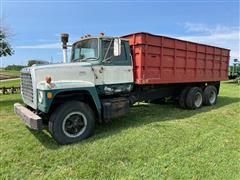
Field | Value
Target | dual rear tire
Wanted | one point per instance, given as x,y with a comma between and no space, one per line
195,97
210,95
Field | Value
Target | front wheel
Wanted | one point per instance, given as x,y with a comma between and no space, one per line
71,122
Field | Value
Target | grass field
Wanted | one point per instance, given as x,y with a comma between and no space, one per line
8,74
151,142
10,83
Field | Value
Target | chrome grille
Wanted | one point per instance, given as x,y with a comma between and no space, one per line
27,87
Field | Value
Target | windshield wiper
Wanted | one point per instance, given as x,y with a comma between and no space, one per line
84,59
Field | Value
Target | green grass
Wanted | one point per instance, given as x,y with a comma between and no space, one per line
9,72
151,142
10,83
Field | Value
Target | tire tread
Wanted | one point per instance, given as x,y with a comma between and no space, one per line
56,118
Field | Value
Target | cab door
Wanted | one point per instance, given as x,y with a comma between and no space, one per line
117,70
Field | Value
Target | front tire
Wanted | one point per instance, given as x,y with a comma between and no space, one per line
71,122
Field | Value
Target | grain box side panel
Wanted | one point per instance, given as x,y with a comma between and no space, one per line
160,59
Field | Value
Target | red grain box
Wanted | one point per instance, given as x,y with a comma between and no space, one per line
161,60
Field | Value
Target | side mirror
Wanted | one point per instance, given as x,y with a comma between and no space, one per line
117,47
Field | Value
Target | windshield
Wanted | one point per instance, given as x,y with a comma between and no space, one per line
85,50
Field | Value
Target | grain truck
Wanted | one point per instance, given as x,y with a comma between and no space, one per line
107,75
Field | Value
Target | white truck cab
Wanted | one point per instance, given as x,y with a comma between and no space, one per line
99,67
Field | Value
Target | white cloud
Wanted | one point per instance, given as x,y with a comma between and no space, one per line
221,36
41,46
203,28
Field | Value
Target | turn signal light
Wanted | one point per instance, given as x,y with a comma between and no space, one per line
49,95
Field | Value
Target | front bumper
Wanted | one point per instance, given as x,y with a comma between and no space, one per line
32,120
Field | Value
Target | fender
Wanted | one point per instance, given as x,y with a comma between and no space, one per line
57,87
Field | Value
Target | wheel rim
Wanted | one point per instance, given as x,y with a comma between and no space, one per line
198,99
212,97
74,124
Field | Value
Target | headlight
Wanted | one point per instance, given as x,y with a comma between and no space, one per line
40,96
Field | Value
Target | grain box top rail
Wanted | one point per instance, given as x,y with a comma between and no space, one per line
156,35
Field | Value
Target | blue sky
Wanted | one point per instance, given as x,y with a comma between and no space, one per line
36,25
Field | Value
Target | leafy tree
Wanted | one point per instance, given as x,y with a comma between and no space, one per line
14,67
5,47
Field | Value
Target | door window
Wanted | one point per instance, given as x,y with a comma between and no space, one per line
107,46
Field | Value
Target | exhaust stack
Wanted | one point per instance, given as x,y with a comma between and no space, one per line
64,39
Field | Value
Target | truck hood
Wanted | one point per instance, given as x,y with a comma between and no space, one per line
81,71
71,75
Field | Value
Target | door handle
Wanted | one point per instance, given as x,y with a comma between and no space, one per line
101,70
